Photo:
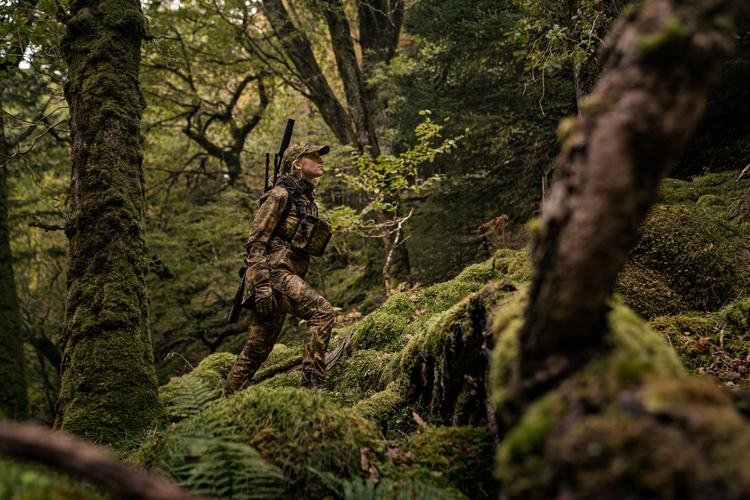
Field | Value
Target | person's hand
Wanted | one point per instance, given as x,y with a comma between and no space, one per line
264,299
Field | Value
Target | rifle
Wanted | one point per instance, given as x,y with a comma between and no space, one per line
285,139
234,313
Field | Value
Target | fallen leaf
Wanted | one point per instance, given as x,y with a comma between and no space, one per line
364,463
419,420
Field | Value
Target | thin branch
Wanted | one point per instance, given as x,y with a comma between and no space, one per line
48,227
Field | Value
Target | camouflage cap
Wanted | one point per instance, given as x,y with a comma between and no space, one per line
296,150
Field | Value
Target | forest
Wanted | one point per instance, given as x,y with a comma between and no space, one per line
539,264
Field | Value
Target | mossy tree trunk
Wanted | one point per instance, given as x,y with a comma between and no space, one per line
14,401
108,383
660,64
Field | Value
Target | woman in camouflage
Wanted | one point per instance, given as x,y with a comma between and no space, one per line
285,232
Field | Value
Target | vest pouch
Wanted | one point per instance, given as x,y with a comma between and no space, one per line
318,236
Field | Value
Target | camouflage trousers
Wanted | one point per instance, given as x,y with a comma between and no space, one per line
293,296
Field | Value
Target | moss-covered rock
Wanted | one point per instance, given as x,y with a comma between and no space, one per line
454,458
212,371
631,423
689,257
281,359
293,429
513,264
360,372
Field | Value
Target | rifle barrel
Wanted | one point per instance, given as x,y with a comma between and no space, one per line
268,160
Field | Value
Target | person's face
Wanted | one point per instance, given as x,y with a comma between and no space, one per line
310,166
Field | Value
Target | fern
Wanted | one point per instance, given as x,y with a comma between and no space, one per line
386,489
207,454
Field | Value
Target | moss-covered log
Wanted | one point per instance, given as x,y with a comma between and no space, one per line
13,398
108,383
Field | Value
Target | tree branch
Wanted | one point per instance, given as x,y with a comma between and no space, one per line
87,461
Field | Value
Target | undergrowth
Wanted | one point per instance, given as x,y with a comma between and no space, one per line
208,455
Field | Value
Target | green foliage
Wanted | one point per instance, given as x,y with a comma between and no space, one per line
384,489
557,35
208,455
293,429
513,142
25,481
388,179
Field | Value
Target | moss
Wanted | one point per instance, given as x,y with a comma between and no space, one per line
712,202
379,407
408,313
381,330
22,481
454,458
108,384
212,371
288,379
630,423
714,344
279,360
359,372
154,452
649,292
514,265
479,273
688,258
665,42
739,212
293,429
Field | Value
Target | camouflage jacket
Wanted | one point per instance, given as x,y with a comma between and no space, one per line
266,252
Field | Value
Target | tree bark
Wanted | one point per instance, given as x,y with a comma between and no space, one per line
14,402
351,76
298,49
87,461
108,384
660,64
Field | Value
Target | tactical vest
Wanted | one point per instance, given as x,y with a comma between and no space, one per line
300,230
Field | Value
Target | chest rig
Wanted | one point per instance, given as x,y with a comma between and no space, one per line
297,228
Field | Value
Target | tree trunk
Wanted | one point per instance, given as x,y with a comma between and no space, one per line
661,62
14,401
351,76
108,384
297,47
396,269
380,23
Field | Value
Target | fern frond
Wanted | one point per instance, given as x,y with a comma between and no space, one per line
208,455
386,489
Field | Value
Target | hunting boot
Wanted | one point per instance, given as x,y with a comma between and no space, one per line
309,382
